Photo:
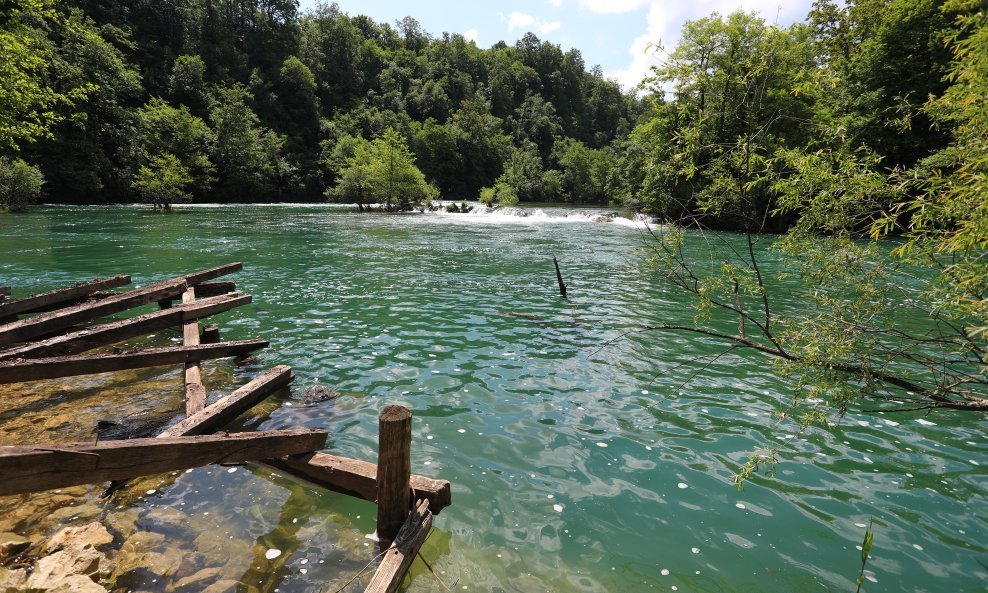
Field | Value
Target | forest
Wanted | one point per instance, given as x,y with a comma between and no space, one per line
255,101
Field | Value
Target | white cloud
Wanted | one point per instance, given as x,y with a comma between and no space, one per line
472,35
665,21
612,6
520,20
527,22
547,28
556,3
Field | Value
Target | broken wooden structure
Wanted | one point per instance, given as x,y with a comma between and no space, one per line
54,334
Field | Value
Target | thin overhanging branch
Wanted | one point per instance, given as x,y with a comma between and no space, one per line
969,402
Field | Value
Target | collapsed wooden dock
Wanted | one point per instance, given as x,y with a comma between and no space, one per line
54,334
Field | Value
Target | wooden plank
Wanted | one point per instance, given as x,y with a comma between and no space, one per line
226,409
198,278
195,392
398,558
35,468
17,371
355,478
339,474
46,323
211,289
394,471
61,296
110,333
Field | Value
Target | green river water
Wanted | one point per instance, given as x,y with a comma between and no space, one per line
576,465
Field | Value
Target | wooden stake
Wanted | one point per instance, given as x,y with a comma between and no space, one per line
210,335
559,278
394,471
18,371
195,392
35,468
398,559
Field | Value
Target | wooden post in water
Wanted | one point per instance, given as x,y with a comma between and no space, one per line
210,335
195,392
394,472
559,277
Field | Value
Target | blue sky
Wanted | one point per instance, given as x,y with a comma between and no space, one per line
612,33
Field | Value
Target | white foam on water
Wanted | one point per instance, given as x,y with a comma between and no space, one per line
481,214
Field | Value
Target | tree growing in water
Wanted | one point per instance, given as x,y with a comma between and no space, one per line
381,170
162,181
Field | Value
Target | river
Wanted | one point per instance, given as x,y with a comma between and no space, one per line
580,460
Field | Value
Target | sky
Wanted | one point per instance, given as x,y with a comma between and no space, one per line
612,33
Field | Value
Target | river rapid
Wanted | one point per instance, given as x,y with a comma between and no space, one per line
582,457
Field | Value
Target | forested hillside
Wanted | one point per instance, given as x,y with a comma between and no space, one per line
253,100
250,100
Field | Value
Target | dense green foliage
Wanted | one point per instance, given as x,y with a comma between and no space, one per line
254,98
382,169
20,184
867,123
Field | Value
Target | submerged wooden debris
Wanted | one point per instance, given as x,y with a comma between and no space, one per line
50,335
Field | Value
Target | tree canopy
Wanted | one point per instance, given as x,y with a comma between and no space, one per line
264,92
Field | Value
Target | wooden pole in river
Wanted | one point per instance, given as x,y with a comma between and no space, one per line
559,277
394,472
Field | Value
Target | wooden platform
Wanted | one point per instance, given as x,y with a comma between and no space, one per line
54,334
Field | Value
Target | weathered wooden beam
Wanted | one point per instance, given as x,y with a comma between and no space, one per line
355,478
35,468
394,471
211,289
197,278
226,409
61,296
195,391
46,323
52,321
110,333
398,558
18,371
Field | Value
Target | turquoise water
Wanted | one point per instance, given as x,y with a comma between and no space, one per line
578,462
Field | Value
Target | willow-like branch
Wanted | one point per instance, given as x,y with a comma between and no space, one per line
938,398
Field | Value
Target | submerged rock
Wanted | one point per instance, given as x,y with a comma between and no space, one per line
223,586
13,580
197,581
62,568
91,535
319,394
12,544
